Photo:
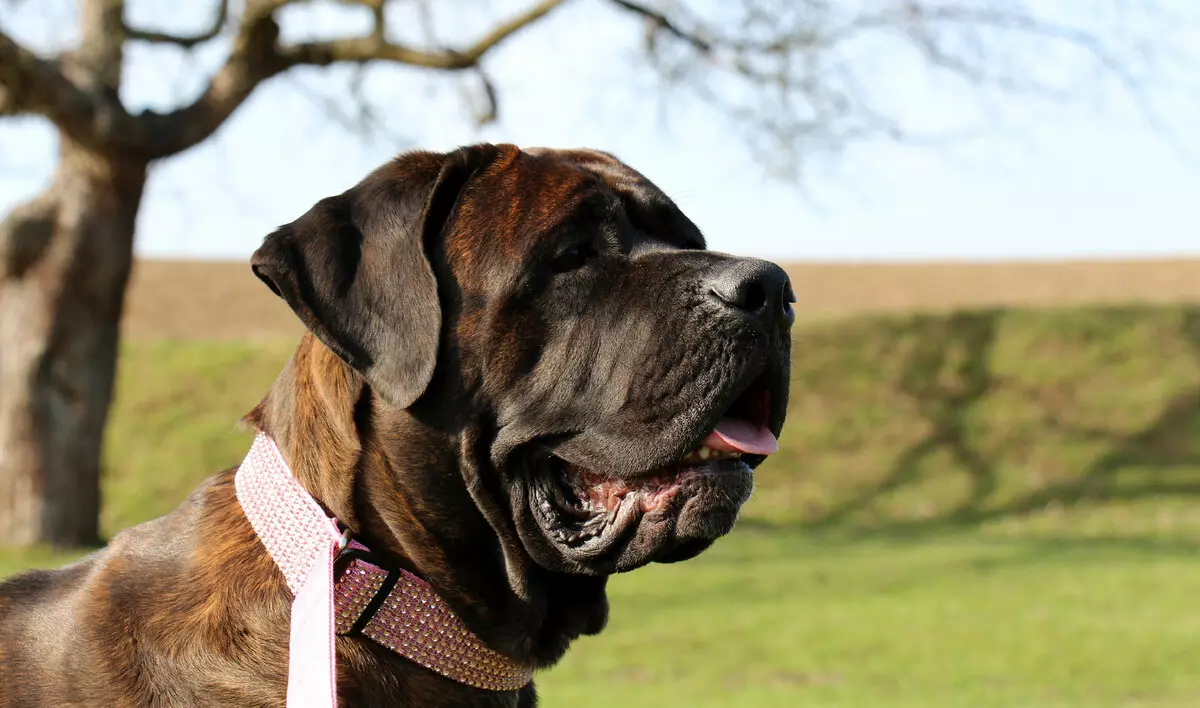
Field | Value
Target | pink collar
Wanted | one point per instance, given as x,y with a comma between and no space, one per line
341,587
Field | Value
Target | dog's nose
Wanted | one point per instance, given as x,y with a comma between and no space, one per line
759,288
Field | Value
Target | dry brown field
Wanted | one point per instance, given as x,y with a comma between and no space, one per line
223,300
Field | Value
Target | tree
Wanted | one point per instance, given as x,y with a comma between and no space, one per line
795,73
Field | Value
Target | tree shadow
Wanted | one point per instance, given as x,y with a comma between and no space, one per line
948,372
1170,441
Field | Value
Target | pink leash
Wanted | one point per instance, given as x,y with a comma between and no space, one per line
390,606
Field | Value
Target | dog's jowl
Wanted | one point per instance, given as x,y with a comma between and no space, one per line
523,372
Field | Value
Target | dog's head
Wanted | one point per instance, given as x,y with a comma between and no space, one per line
621,381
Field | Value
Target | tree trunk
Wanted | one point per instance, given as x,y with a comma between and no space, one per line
64,263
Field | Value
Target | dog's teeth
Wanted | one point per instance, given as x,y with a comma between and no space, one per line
704,452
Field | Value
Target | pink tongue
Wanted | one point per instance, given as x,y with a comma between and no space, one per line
734,435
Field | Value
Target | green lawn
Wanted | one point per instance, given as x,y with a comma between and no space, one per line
979,509
781,618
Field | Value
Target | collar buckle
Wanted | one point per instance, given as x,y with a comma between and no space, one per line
341,563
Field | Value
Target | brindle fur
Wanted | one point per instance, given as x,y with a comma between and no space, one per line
429,363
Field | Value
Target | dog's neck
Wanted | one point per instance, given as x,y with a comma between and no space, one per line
359,458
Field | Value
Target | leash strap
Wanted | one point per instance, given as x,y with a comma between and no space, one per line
340,587
312,669
303,542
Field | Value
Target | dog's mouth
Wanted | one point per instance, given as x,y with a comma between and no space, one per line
691,501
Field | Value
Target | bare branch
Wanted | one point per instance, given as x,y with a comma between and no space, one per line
187,41
256,57
252,60
483,100
78,91
374,48
658,21
791,73
492,103
357,115
31,84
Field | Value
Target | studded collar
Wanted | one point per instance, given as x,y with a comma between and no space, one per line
341,588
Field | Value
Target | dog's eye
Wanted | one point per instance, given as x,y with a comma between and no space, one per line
573,258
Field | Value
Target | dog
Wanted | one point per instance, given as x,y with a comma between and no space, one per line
523,372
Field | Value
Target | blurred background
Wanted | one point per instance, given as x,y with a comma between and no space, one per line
987,490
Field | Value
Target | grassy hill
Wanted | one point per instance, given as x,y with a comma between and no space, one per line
976,508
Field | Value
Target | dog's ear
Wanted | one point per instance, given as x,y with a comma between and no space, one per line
355,268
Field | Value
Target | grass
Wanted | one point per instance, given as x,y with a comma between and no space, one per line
985,508
784,618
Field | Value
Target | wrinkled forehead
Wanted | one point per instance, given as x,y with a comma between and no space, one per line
525,196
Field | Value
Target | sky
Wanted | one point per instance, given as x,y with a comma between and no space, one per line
1094,181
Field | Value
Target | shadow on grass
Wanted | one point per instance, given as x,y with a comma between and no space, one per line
948,373
942,404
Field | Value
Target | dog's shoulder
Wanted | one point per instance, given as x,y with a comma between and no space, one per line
124,624
36,625
31,589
